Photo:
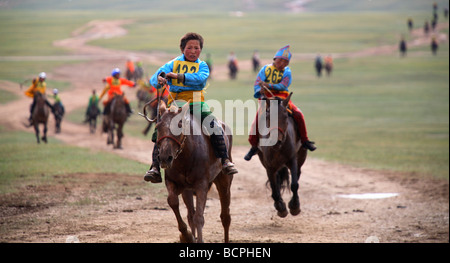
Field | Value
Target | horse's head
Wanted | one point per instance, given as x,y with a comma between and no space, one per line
171,138
274,120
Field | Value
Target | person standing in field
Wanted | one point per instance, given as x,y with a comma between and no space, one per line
402,47
318,65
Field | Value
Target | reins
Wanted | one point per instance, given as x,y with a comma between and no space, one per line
158,97
180,144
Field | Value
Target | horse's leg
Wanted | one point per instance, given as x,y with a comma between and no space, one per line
119,136
111,132
188,198
199,219
36,131
173,201
44,137
223,184
279,204
294,204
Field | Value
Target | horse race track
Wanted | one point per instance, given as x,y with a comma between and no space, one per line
419,212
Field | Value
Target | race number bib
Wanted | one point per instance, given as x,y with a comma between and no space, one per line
273,75
184,67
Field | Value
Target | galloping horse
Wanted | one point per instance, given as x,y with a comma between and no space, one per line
117,115
282,156
40,115
191,167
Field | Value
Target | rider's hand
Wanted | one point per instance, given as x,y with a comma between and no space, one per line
162,81
263,84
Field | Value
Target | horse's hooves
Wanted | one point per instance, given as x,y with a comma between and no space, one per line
282,214
295,212
187,239
294,207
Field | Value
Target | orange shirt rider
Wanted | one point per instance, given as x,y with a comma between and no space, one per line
114,83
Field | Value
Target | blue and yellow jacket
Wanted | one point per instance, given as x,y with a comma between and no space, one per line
195,77
279,80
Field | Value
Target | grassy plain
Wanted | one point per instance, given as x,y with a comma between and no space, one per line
378,112
23,162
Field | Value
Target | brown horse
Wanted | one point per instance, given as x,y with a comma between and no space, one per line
59,114
92,114
40,115
117,116
191,167
282,155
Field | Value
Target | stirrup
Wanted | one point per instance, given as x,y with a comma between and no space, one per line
153,175
228,168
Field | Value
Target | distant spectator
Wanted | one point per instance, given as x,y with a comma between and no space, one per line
410,24
402,47
318,64
255,61
328,64
426,28
434,45
233,65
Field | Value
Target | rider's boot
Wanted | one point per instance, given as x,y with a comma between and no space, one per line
309,145
250,153
220,149
154,174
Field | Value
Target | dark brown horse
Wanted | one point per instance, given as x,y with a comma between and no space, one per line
115,120
191,167
280,151
40,115
92,114
59,114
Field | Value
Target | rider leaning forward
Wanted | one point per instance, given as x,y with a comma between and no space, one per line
276,78
186,76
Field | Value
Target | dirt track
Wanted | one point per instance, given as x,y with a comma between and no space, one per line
419,213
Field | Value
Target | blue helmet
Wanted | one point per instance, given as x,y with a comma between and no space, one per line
115,71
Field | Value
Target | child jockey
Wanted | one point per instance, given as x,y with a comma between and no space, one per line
277,78
37,85
114,83
186,76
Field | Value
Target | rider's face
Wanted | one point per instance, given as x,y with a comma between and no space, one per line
280,63
192,50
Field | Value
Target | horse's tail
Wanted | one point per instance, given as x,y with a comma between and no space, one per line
282,180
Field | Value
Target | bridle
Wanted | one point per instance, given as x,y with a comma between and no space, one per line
180,144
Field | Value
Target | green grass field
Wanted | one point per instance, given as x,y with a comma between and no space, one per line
376,112
23,162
